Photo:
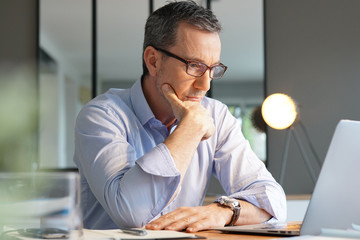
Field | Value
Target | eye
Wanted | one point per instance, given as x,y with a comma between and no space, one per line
194,65
197,66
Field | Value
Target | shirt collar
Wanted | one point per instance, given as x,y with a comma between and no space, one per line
139,103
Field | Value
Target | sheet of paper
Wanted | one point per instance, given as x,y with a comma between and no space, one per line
117,234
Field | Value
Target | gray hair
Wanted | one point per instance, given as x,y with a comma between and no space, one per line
161,26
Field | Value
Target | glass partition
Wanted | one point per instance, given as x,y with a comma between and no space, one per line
242,87
64,76
66,73
120,27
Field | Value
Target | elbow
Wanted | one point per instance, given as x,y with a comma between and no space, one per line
280,210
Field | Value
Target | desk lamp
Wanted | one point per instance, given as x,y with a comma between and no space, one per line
280,112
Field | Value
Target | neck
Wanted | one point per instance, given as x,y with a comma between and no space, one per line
157,102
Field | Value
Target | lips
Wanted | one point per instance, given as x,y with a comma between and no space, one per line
195,99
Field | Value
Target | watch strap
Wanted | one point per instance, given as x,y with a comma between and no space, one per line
236,215
223,200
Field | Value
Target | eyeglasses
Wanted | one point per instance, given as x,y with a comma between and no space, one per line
196,68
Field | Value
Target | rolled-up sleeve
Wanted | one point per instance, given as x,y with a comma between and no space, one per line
242,174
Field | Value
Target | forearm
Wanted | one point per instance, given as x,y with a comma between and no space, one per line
195,124
250,214
182,144
266,195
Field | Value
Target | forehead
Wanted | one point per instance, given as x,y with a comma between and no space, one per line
195,43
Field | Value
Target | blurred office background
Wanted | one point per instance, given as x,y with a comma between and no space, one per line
55,55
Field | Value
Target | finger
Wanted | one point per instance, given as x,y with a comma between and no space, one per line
171,96
209,132
178,219
162,221
181,224
186,216
200,225
205,223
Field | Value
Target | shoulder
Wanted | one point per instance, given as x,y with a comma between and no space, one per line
113,98
115,103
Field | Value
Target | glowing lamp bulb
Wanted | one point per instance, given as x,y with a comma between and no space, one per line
279,111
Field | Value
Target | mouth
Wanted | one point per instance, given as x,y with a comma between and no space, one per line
194,99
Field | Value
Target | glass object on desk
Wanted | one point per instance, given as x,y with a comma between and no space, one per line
40,205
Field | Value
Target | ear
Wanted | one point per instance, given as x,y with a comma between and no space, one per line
152,60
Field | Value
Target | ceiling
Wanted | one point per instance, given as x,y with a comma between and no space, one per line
65,34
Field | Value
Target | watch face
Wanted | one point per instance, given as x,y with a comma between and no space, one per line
229,201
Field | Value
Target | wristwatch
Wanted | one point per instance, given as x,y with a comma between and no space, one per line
232,203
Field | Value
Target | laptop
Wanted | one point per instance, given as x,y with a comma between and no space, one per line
335,202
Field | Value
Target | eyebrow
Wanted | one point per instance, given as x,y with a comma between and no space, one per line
202,61
185,60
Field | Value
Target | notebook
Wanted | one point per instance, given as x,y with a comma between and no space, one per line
335,202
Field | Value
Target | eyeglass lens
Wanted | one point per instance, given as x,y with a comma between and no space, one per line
198,69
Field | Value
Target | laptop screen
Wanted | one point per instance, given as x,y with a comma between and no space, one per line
336,197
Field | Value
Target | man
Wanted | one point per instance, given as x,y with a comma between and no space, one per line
146,154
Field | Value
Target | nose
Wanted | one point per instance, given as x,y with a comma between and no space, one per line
203,82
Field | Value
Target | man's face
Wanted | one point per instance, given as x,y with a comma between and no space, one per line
192,44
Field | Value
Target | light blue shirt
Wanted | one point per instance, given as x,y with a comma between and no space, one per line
128,175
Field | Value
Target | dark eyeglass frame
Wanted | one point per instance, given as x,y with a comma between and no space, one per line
188,62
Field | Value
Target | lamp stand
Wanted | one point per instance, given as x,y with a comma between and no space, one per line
292,131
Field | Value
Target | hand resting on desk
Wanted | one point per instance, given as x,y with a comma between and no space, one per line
194,219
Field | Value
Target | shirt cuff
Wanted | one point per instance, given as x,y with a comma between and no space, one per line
158,161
